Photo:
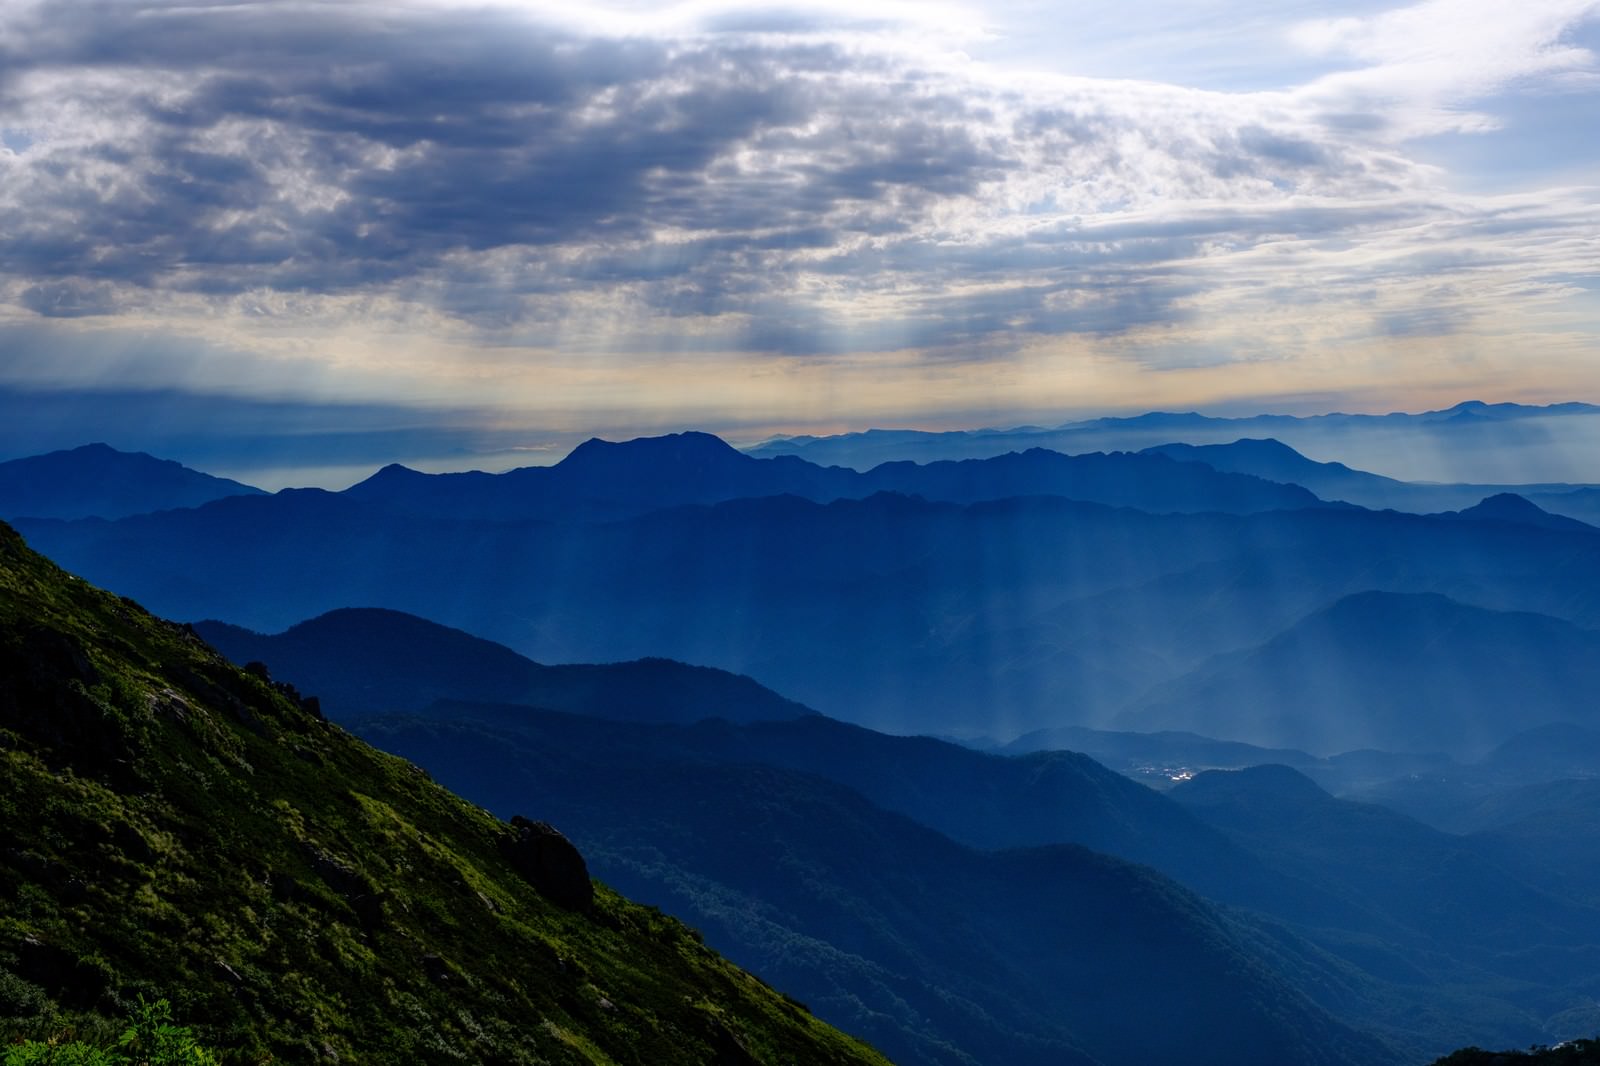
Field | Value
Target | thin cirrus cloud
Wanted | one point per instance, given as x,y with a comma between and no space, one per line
516,186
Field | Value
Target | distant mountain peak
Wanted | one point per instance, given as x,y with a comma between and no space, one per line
690,445
1510,507
394,473
96,480
1505,504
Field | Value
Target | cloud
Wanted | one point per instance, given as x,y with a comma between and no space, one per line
1424,68
723,177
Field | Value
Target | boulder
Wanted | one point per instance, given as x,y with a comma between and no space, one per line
549,862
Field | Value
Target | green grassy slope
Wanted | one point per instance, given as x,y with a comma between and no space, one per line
173,826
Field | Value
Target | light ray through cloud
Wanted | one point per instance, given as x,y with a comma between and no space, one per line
789,216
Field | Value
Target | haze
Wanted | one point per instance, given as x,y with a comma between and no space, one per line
347,233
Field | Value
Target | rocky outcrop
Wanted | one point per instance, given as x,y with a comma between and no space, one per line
549,862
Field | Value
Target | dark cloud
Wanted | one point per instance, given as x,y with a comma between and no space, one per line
490,166
68,299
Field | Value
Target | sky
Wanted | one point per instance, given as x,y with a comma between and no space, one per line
296,234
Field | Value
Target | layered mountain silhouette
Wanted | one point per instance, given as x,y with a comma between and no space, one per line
1393,927
1472,442
1394,672
1432,884
1276,461
97,481
361,660
602,480
173,826
1580,503
899,612
933,950
1510,507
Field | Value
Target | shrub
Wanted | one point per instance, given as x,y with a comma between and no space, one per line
149,1040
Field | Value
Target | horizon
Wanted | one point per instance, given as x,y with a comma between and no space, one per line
466,229
1544,457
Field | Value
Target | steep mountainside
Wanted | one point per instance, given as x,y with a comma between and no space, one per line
936,952
1432,945
173,826
97,481
361,660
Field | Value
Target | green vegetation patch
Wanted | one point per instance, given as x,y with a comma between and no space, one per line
174,828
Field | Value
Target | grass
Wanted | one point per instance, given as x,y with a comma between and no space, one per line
177,828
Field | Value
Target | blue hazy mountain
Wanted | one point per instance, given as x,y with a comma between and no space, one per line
1462,797
901,613
1393,672
1547,753
1273,459
1276,461
1128,751
1472,442
1445,890
936,952
1580,503
1510,507
360,660
602,480
97,481
1361,942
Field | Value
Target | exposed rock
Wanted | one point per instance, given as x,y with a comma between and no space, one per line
361,894
549,862
44,681
74,981
436,969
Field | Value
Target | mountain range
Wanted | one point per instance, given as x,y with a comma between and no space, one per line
1392,927
899,612
935,951
1471,442
603,480
1416,672
1450,912
97,481
924,895
1276,461
361,660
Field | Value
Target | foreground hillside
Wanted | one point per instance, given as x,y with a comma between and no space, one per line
172,826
